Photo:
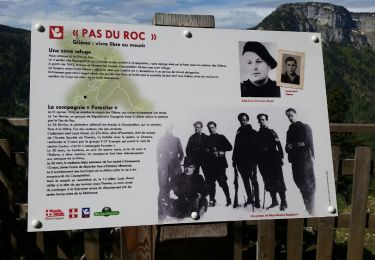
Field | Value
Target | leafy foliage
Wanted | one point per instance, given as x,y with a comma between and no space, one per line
350,77
14,72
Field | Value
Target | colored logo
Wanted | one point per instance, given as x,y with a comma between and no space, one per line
73,213
85,212
56,32
54,214
106,211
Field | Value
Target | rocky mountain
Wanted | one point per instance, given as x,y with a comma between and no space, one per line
366,25
335,23
349,60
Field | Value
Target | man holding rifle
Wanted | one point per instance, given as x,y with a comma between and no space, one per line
244,160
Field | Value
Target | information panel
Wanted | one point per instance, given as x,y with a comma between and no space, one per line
142,125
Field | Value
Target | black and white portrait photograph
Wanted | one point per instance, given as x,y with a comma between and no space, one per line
291,70
257,69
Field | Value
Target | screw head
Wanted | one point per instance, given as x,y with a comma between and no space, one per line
40,28
188,34
36,224
194,215
332,209
315,38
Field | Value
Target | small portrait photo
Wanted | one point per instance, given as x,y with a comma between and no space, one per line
290,73
257,69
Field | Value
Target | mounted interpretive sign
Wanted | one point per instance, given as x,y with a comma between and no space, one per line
142,125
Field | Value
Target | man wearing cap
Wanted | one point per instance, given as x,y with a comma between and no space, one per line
257,62
300,149
217,145
244,158
196,146
290,76
190,191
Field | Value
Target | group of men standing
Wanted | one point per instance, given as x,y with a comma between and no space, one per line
252,149
262,149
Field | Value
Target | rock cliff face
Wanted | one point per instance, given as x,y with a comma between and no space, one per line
366,24
335,23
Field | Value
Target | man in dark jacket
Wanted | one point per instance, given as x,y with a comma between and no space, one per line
300,149
290,76
258,62
270,160
169,155
217,145
196,147
190,190
244,158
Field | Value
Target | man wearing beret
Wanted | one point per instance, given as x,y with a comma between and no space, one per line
258,62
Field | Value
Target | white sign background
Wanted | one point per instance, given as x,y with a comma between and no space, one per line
185,100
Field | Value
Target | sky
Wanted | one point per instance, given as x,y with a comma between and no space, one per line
235,14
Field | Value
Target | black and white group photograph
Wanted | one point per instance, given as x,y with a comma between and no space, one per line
257,69
291,72
240,163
